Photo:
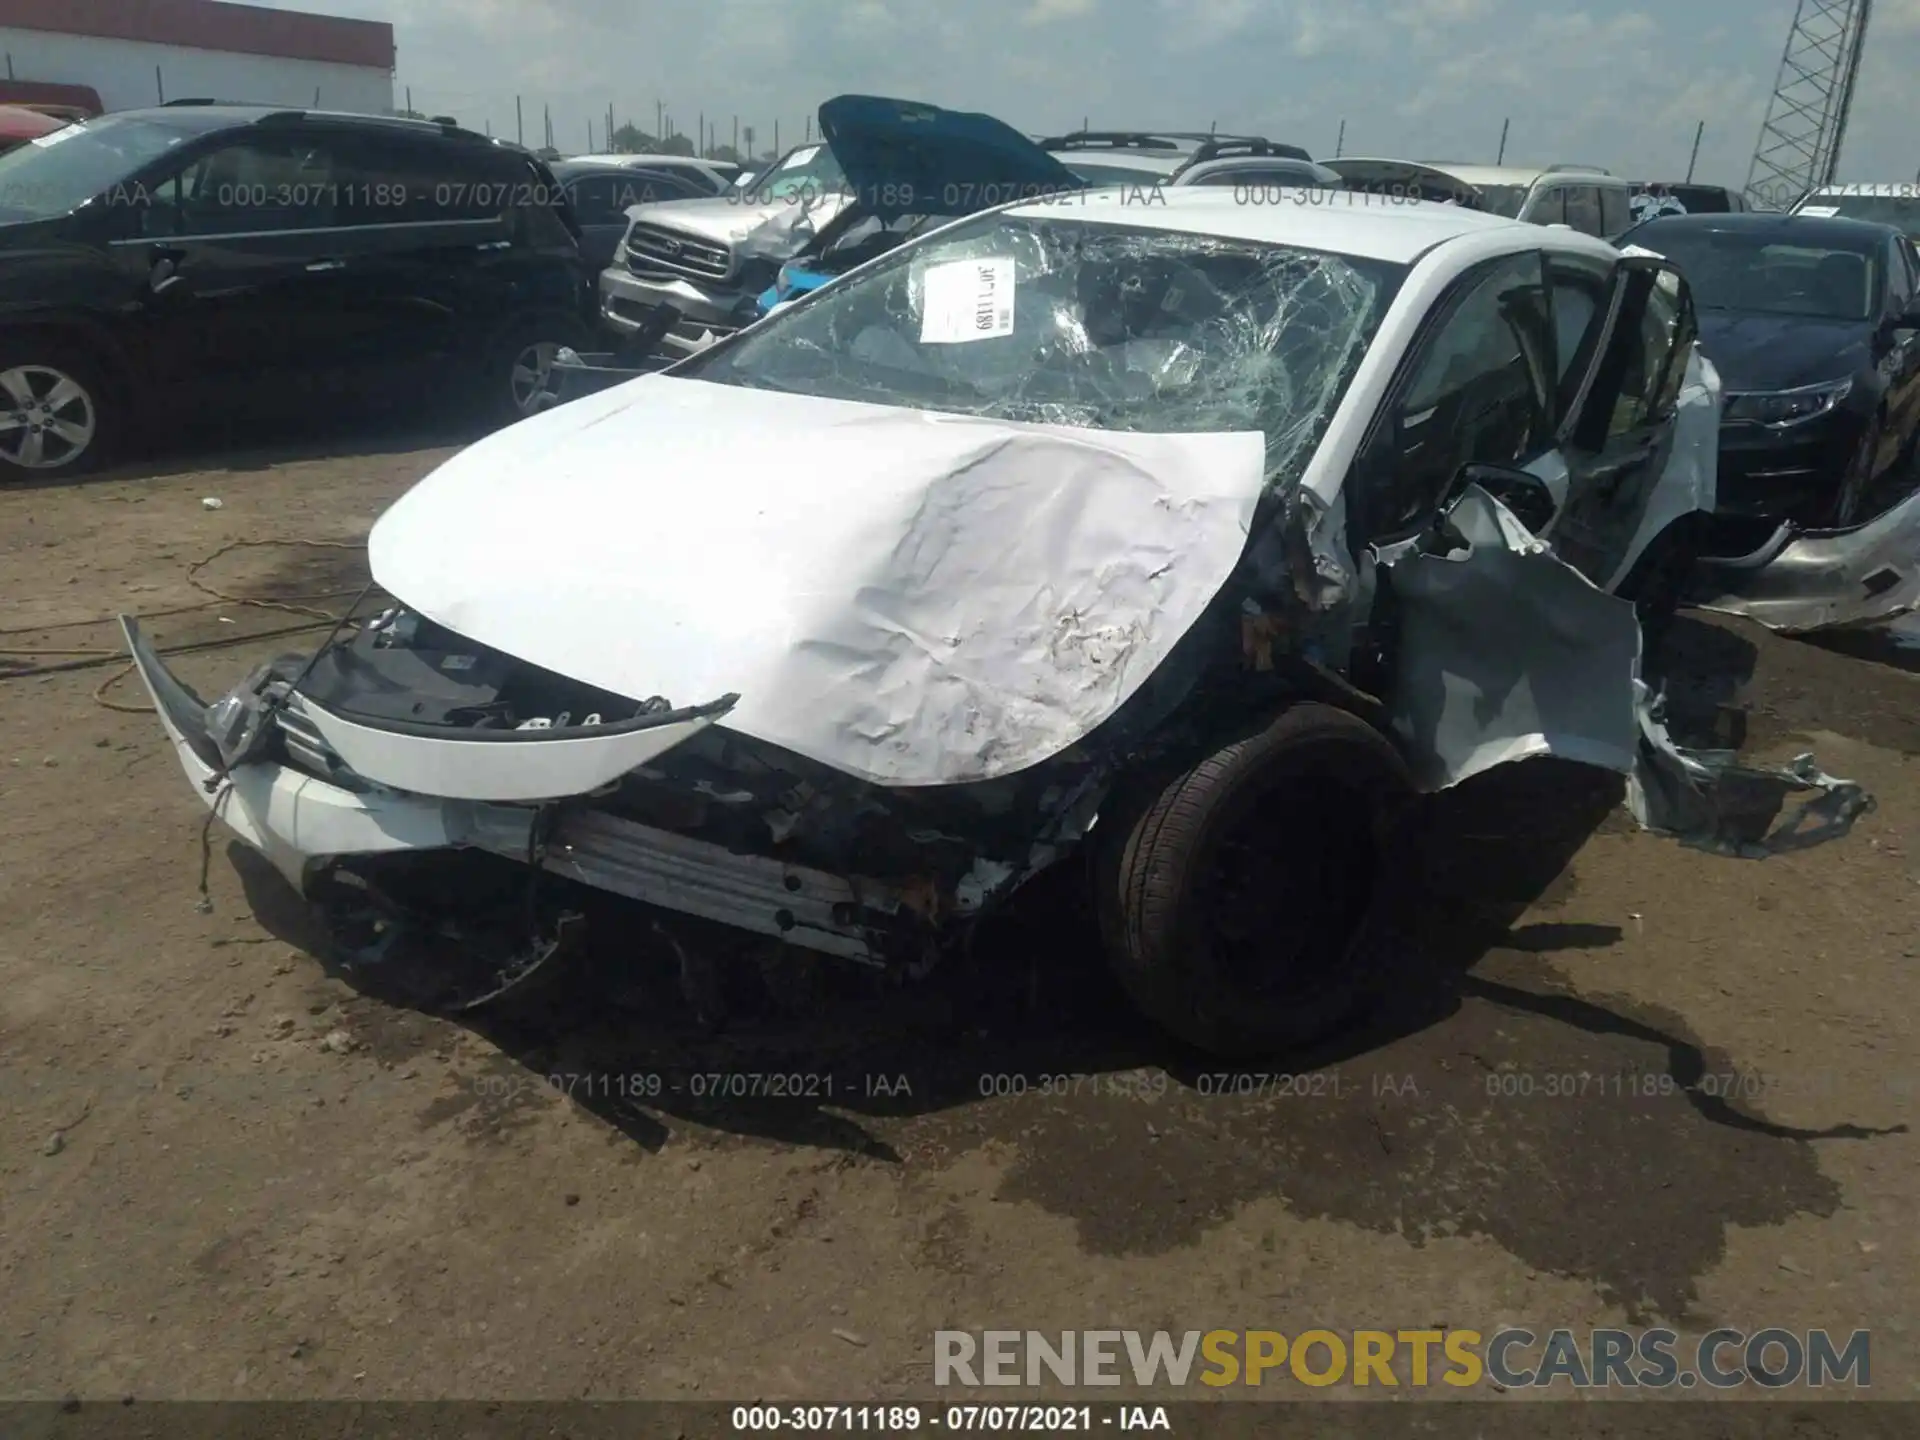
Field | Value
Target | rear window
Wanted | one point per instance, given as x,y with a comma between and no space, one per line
1902,210
64,170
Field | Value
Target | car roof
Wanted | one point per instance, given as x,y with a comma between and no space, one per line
655,161
1147,162
1837,229
1515,174
198,117
582,164
1306,169
1373,227
1895,190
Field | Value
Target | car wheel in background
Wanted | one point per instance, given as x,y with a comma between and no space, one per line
1660,579
1858,479
57,413
520,381
1233,897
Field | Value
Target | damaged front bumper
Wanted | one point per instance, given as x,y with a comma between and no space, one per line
1808,580
527,799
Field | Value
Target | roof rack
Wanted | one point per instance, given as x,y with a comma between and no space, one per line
1584,169
439,124
1215,148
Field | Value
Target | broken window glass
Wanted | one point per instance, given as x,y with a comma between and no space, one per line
1479,392
1056,320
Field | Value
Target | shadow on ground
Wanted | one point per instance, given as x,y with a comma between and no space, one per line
260,440
1483,1097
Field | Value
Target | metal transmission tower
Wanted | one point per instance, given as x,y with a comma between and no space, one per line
1806,123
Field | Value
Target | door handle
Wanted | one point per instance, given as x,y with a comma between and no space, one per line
316,267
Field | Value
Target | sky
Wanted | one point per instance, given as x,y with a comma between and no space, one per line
1616,83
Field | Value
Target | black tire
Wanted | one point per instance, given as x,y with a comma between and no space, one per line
1660,579
1318,794
54,385
502,386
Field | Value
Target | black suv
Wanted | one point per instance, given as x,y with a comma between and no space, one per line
211,258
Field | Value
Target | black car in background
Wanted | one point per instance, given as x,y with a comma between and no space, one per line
225,260
601,192
1815,329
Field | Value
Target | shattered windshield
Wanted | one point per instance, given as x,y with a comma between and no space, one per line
1068,322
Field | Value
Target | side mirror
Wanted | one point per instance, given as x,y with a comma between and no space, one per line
164,275
1527,496
1909,319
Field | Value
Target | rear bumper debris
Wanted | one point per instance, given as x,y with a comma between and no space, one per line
1824,579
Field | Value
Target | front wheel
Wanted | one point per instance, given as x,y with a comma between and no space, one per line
1232,898
57,414
1660,579
521,381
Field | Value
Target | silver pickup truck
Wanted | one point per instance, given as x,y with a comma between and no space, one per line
707,261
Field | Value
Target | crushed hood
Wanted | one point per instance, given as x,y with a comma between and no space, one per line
904,158
911,598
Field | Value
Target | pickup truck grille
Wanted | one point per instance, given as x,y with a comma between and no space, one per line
656,250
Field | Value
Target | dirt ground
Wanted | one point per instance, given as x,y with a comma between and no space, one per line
225,1172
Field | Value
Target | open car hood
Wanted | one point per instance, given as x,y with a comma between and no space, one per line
905,158
911,598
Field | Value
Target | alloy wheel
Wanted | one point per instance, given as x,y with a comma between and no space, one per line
532,379
47,418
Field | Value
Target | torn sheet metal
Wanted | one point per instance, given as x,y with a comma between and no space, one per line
910,597
1708,800
1507,652
1690,482
1827,579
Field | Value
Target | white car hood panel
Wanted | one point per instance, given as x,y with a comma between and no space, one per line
910,598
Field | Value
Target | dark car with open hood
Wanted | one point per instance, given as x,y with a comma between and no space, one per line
1814,325
228,259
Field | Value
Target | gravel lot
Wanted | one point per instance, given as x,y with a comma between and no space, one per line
226,1173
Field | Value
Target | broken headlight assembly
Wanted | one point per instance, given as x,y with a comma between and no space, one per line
1783,409
241,722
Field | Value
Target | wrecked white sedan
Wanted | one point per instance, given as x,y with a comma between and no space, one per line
1227,527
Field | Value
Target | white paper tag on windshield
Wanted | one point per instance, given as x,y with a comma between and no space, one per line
967,300
1825,212
799,158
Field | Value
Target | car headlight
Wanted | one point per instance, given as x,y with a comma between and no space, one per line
1781,409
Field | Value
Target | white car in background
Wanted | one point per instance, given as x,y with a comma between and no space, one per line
1228,527
1883,204
1581,197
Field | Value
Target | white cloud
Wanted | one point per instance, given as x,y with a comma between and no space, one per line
1046,12
1619,82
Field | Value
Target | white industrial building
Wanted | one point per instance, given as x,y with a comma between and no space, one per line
130,53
